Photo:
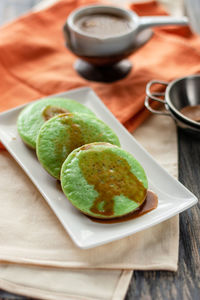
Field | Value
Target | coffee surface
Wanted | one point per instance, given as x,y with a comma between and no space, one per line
103,25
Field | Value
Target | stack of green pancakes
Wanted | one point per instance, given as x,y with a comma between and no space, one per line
98,177
62,134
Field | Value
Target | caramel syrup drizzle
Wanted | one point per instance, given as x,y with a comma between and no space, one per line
111,176
51,111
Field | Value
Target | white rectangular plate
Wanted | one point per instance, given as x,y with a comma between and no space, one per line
173,196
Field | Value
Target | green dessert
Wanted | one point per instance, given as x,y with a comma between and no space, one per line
59,136
103,181
37,113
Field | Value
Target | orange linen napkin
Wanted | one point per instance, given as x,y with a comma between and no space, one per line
35,63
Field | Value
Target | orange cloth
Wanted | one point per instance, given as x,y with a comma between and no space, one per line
35,63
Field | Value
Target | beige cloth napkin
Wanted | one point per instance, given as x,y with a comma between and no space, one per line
39,259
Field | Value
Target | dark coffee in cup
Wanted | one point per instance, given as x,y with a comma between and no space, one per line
103,25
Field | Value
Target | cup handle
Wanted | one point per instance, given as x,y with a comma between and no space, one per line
146,22
154,96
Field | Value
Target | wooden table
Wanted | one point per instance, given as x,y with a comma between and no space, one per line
185,284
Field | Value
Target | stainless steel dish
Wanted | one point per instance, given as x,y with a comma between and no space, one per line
178,94
85,45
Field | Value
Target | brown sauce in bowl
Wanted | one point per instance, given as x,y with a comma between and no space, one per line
103,25
191,112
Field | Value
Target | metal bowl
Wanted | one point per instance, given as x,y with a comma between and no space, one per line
178,94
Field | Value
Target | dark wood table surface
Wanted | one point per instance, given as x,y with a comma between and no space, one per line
185,284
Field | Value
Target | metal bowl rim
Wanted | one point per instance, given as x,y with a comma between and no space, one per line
175,117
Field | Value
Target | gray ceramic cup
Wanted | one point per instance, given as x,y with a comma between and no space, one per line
85,45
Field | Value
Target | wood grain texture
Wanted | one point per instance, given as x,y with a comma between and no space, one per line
7,296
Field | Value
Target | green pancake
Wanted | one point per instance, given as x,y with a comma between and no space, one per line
37,113
103,181
62,134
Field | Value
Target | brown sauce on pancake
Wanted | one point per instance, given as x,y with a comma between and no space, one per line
150,203
75,135
51,111
191,112
106,171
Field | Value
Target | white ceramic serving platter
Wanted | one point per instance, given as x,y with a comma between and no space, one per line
173,196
